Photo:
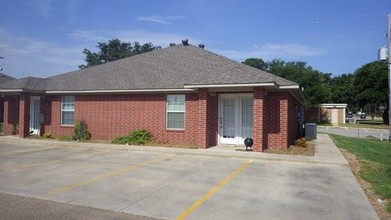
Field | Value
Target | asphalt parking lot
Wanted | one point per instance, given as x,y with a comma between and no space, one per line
178,184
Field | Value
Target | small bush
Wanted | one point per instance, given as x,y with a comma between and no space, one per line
65,138
47,135
136,137
301,142
80,132
15,129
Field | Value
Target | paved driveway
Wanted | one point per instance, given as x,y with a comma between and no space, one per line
179,184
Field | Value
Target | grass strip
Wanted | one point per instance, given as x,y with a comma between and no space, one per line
376,162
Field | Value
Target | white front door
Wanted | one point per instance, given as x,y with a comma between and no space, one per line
235,118
35,110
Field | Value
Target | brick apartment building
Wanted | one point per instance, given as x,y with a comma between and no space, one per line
182,94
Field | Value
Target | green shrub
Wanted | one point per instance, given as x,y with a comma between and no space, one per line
136,137
65,138
15,129
48,135
301,142
80,132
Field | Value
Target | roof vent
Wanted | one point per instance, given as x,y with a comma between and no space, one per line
185,42
172,44
201,46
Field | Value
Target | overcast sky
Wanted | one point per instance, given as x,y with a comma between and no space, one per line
46,37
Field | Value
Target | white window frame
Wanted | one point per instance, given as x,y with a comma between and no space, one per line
67,110
176,111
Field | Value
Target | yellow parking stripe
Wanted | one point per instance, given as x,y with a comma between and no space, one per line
107,175
215,189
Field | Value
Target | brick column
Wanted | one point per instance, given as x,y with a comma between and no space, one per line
202,118
285,123
11,115
24,115
258,109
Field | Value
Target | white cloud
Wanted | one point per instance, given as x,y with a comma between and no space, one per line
154,18
272,51
31,57
43,7
159,19
25,56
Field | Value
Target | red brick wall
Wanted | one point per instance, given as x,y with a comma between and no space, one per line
11,114
259,119
212,120
51,109
109,116
276,120
293,111
202,117
24,115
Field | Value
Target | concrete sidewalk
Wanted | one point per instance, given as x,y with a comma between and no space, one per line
325,150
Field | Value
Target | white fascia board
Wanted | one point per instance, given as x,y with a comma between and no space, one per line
11,90
290,87
332,105
117,91
229,85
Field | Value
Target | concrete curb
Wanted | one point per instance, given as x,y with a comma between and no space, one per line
326,152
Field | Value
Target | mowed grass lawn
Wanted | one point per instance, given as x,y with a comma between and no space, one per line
375,157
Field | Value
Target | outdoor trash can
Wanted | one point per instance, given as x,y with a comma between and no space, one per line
310,131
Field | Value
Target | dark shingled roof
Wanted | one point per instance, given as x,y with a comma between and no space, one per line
5,78
168,68
27,83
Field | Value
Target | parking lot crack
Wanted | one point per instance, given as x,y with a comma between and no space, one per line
144,197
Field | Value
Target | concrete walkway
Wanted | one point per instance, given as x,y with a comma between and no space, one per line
325,150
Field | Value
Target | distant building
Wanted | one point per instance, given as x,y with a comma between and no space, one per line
328,112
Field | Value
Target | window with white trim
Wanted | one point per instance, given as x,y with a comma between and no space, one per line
67,110
176,112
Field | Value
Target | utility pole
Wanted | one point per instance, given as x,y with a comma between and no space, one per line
389,75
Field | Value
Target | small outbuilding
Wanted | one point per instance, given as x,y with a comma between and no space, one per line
328,112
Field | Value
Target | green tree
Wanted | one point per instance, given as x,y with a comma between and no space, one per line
371,85
342,89
315,83
114,50
257,63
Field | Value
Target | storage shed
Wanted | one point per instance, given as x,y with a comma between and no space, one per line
327,112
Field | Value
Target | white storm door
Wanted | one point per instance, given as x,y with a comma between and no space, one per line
35,125
228,122
246,119
236,118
